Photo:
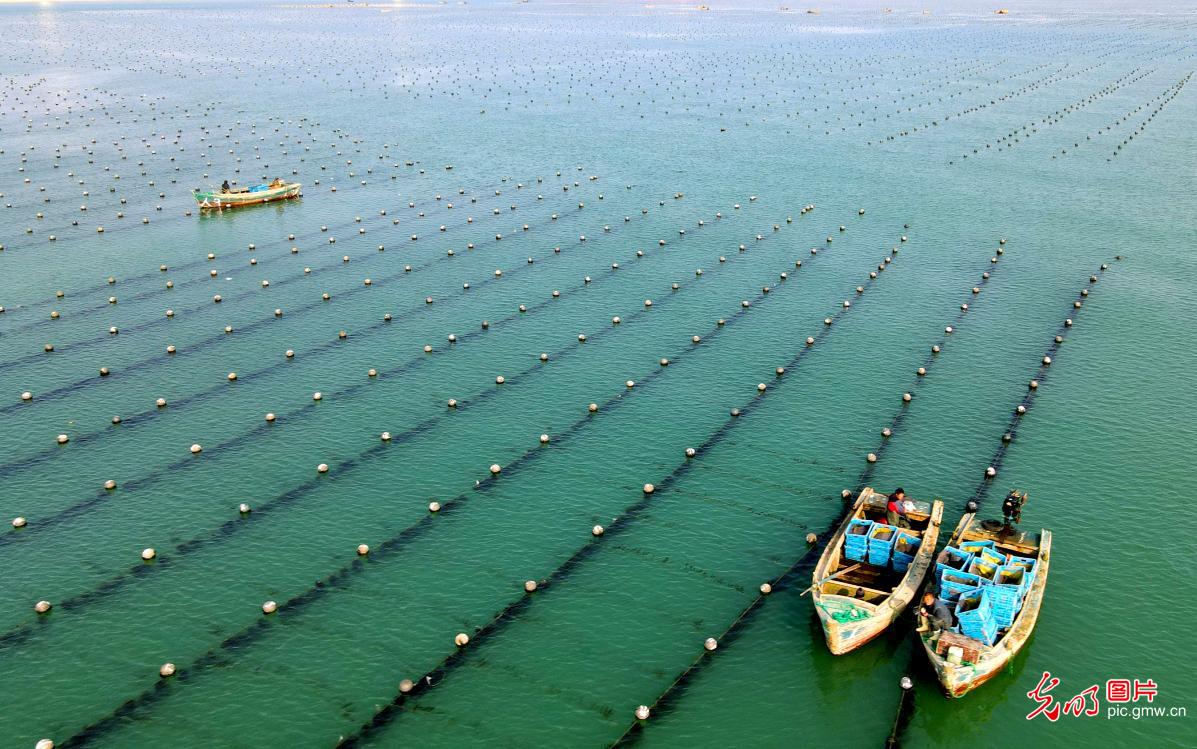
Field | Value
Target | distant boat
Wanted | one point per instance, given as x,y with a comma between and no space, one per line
869,572
974,662
240,196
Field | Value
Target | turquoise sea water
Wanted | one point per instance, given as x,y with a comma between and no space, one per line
672,140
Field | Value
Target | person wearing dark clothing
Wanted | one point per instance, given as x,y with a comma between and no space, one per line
934,614
895,509
225,187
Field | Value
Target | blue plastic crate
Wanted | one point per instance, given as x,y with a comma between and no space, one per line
991,557
952,558
983,569
859,527
855,554
1010,574
878,555
953,591
974,607
985,632
972,547
907,543
1007,602
962,578
900,561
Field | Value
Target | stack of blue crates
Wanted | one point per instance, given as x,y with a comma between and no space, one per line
856,540
905,547
1006,603
974,611
881,543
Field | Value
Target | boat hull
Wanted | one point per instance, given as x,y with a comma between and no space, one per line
219,200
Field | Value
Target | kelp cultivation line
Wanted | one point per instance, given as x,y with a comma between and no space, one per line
158,321
906,704
271,244
112,585
803,565
341,576
412,690
27,463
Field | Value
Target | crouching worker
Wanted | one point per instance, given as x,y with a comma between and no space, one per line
934,615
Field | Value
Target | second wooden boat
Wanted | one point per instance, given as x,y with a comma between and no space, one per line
857,595
963,663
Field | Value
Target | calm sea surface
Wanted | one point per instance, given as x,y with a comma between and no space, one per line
571,163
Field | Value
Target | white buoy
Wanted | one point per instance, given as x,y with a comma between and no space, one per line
642,712
269,607
495,469
597,530
148,554
434,506
649,488
766,589
530,585
196,449
363,549
710,643
322,468
166,670
461,640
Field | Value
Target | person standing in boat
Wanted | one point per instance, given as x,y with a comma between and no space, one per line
224,187
895,509
934,615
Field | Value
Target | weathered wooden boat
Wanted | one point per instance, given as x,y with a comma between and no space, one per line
857,599
241,196
979,662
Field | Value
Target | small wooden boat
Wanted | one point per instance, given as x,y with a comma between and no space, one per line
977,661
239,196
855,598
